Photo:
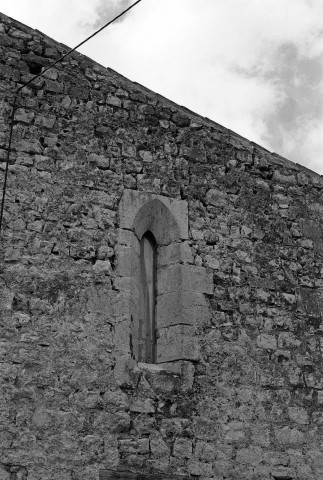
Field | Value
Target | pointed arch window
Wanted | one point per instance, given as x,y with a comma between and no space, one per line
147,303
162,295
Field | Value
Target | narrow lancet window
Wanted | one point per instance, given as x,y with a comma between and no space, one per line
147,327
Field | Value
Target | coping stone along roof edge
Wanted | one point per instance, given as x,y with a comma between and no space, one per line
273,157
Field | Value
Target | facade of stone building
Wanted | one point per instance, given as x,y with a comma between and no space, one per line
113,192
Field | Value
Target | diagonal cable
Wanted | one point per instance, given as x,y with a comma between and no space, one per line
12,117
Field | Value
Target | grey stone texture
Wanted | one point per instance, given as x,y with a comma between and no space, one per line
180,304
238,391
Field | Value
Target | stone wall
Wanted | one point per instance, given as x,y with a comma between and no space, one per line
73,403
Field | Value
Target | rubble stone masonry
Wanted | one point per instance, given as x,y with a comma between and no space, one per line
238,395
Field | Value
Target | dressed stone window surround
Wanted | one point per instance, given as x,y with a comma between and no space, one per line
180,286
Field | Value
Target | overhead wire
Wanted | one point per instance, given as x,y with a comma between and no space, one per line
14,106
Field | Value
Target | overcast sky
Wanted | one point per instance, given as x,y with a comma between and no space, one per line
254,66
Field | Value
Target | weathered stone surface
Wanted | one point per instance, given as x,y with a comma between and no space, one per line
261,435
4,474
234,432
175,253
124,371
127,237
205,451
131,203
177,343
185,278
142,406
183,447
299,415
158,446
267,341
102,267
126,475
97,161
182,307
216,197
289,436
127,261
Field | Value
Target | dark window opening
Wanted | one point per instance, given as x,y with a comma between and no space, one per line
147,320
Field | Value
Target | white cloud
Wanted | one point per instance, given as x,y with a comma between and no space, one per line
103,12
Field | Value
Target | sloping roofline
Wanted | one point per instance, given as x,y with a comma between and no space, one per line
272,157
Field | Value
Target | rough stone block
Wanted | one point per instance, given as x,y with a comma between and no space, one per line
123,284
104,252
200,468
102,267
287,340
261,435
127,262
26,160
286,179
6,298
174,253
289,436
188,372
12,255
114,101
157,445
184,277
194,154
177,343
47,121
205,451
162,380
146,156
24,116
216,197
126,302
126,237
183,447
122,337
124,371
142,405
250,456
4,474
182,308
299,415
283,473
181,120
234,432
100,300
267,341
130,445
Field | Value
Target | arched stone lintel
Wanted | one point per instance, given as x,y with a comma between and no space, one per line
157,219
165,217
